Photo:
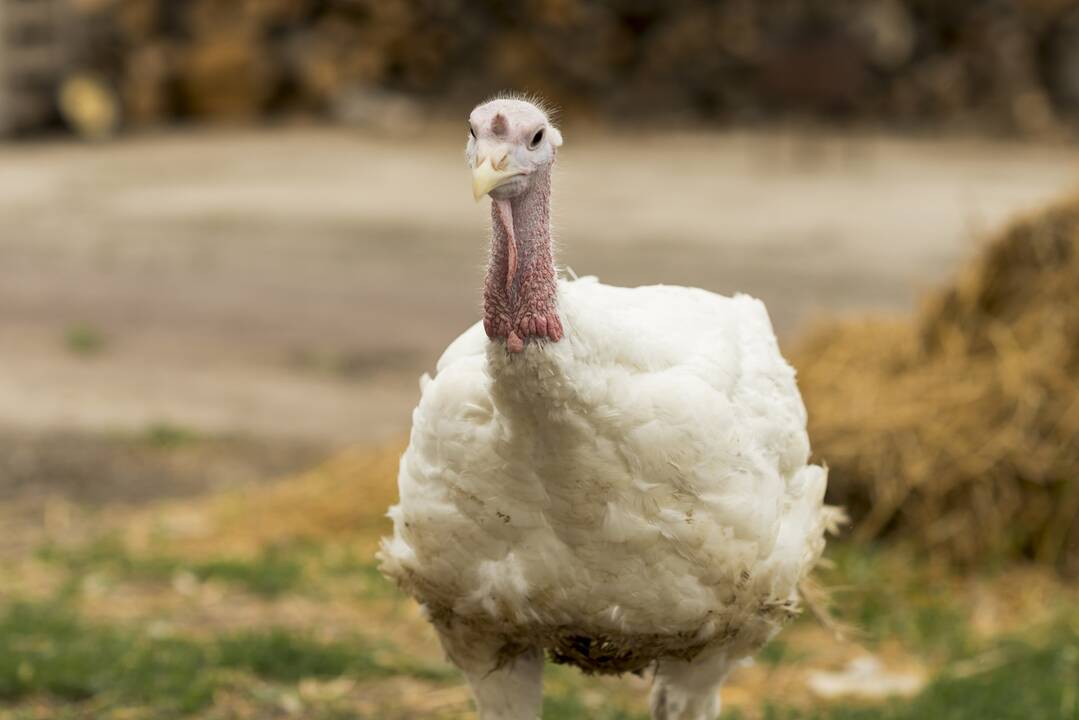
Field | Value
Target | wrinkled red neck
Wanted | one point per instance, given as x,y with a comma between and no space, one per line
519,294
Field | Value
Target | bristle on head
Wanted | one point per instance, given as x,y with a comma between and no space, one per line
549,110
508,110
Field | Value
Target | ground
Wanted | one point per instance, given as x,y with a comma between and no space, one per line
187,316
294,283
266,603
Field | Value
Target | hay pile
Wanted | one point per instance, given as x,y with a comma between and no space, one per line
960,429
344,499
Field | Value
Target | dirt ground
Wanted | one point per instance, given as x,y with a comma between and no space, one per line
291,284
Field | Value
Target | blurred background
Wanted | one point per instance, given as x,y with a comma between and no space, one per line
233,233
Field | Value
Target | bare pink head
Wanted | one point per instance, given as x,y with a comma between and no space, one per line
511,148
509,141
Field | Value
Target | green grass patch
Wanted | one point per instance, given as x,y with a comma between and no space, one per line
888,595
107,554
47,650
343,562
284,656
571,705
1015,679
371,583
273,572
571,695
167,436
778,652
84,340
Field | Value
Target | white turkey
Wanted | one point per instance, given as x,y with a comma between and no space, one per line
616,478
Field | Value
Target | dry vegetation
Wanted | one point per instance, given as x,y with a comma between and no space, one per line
959,429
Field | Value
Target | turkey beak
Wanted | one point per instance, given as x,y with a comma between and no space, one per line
487,174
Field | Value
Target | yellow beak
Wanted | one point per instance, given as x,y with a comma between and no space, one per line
485,177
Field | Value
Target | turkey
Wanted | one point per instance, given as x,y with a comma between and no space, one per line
614,478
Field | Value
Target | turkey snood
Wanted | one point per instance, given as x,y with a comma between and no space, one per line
519,294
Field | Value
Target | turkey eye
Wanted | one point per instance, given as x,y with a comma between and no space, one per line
536,139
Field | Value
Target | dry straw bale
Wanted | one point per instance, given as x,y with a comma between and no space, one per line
960,429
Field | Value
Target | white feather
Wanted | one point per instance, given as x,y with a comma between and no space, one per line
646,474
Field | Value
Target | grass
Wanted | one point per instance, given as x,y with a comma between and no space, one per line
47,650
572,705
273,572
1020,680
569,695
344,562
902,608
276,570
777,652
84,340
887,595
284,656
167,436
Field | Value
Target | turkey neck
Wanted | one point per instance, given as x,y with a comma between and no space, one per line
519,292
